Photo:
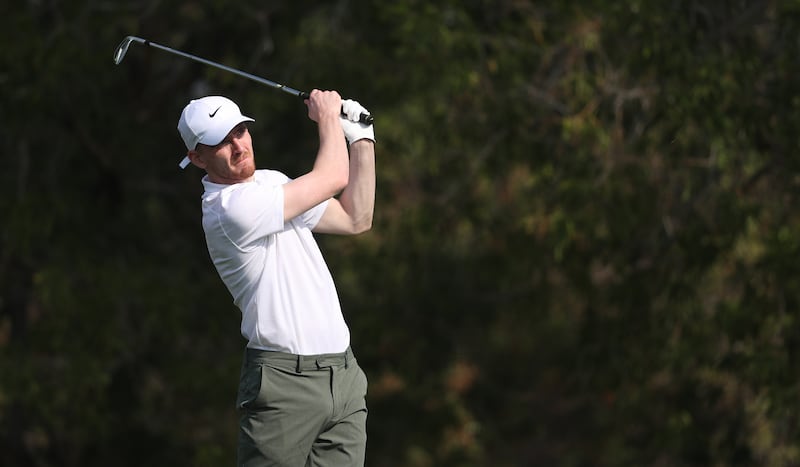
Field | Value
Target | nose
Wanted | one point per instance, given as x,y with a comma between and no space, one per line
236,144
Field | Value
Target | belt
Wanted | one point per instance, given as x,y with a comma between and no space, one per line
299,363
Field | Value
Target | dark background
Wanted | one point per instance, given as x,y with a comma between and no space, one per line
584,250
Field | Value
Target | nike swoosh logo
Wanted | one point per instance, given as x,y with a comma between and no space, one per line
211,115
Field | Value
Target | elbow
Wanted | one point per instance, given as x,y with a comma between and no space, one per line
362,226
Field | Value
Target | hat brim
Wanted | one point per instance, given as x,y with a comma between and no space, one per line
215,136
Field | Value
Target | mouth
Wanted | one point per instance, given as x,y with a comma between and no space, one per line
244,157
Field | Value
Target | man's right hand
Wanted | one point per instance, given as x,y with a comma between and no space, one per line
323,104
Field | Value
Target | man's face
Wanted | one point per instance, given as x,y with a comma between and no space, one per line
231,161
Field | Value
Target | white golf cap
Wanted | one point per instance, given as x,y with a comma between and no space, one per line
208,121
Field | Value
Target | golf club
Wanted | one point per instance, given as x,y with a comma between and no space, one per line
122,49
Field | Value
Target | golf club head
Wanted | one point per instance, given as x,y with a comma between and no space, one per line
122,48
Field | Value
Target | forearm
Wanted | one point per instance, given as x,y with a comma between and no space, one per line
358,197
332,156
331,166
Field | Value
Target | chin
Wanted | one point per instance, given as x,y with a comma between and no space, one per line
248,171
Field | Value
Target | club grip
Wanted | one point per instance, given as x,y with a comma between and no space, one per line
366,119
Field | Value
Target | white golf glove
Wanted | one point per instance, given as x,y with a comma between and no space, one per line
353,129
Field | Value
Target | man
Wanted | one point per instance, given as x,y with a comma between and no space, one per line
301,392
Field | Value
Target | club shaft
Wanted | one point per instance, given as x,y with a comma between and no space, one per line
119,54
243,74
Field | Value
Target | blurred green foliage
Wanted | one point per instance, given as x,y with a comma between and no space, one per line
584,249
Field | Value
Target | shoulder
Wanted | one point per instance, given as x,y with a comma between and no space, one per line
251,203
270,177
264,182
247,203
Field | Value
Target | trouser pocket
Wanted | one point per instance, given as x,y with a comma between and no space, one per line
251,395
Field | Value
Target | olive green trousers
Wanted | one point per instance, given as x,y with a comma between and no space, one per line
298,411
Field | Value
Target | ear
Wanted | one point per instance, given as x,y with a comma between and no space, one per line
198,161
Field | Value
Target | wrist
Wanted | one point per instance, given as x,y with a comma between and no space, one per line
355,132
362,142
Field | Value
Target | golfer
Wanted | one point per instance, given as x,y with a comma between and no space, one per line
301,393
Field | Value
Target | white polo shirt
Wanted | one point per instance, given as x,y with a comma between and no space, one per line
274,270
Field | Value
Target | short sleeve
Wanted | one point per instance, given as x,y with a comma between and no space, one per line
312,217
252,212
